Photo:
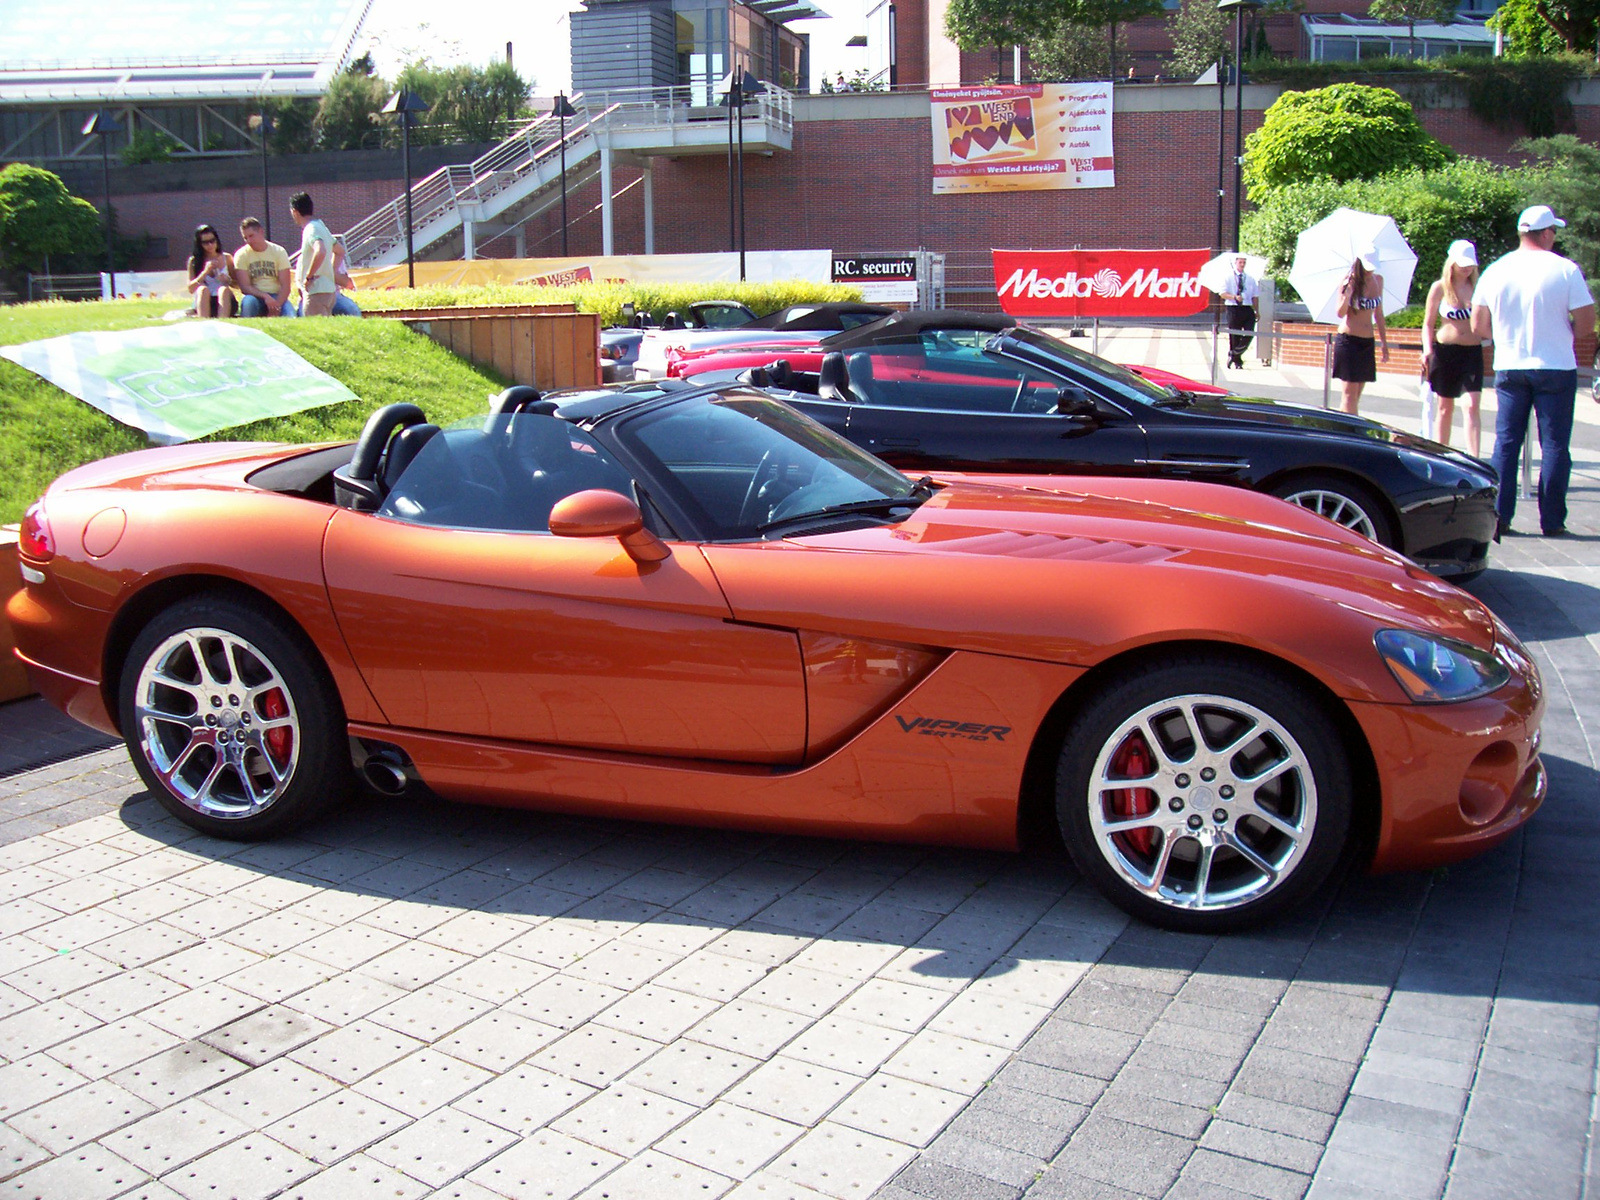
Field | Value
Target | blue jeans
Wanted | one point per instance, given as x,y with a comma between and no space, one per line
345,307
252,306
1551,396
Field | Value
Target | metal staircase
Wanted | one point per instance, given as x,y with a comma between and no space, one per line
457,208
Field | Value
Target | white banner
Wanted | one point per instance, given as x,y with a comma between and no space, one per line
182,381
145,283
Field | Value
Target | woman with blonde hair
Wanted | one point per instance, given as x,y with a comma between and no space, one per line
1452,355
1361,329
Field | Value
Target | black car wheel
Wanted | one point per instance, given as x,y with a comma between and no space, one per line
1204,794
1342,502
231,719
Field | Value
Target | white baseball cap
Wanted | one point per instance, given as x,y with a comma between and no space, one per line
1462,253
1538,217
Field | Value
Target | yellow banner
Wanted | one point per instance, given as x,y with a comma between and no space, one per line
764,266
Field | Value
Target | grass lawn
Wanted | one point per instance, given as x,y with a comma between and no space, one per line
44,431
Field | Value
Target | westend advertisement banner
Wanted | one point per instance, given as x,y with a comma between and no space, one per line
1022,138
181,381
1101,283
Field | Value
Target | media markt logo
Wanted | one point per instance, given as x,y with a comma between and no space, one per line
1106,283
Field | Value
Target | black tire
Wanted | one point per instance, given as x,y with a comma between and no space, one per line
1344,502
1151,866
265,748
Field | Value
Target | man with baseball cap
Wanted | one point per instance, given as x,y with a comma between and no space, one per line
1530,302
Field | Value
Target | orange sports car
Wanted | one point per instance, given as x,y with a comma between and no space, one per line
681,603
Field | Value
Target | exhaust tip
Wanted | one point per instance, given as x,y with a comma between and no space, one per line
386,775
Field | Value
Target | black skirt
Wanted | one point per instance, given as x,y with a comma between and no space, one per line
1456,369
1355,359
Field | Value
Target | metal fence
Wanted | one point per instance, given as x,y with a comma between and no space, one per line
64,287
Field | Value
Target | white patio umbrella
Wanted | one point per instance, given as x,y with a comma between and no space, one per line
1323,255
1219,274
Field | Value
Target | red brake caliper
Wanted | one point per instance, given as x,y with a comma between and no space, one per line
278,740
1133,758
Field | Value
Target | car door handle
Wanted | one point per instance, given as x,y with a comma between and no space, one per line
898,443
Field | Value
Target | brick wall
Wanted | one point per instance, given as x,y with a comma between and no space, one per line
855,179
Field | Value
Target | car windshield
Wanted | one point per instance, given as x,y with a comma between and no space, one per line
1044,350
503,473
743,465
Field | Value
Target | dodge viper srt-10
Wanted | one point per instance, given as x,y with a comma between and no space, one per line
682,603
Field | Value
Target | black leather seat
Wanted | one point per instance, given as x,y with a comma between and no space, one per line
833,379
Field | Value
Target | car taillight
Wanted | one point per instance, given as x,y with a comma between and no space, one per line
35,540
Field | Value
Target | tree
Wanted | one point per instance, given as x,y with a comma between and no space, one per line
1199,37
40,219
980,24
1567,178
347,118
1073,52
1347,131
1109,15
482,102
1441,12
1536,27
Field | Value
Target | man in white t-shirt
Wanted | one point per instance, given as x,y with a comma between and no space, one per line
317,288
1530,302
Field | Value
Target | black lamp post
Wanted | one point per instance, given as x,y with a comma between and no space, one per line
1238,9
743,86
407,104
102,125
262,124
561,110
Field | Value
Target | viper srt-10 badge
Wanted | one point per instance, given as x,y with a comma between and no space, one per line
975,731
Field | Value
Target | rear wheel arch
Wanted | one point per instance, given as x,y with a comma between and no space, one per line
1036,808
151,601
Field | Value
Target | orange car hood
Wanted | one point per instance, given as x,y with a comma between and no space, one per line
1062,569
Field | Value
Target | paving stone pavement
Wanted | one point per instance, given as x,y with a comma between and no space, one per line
415,998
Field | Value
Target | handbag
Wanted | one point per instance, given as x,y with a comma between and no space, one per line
1428,410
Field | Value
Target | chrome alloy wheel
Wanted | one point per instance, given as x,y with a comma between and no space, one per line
1202,802
1338,508
217,723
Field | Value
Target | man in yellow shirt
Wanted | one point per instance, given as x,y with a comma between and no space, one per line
262,274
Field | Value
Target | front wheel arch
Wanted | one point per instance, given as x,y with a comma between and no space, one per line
1385,517
1036,812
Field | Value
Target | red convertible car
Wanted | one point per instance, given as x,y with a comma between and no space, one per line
678,603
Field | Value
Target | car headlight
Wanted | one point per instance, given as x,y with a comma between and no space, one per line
1438,670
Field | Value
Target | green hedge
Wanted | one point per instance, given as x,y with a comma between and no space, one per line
1465,199
607,299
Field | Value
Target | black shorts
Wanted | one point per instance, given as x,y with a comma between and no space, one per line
1355,358
1456,369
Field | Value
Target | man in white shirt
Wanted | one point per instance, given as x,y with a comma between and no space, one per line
317,288
1530,302
1240,298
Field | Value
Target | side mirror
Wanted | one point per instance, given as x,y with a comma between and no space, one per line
1075,402
597,512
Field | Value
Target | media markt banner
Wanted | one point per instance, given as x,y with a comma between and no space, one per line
1100,283
181,381
1017,138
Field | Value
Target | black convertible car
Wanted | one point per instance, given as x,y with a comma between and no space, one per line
948,391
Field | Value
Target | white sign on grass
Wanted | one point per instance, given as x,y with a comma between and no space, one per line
181,382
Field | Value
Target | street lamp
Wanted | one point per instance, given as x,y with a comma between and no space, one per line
1238,9
742,86
262,123
102,125
561,110
407,104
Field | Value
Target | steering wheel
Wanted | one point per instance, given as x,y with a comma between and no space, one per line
768,469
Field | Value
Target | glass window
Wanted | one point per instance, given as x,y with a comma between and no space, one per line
503,474
740,461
